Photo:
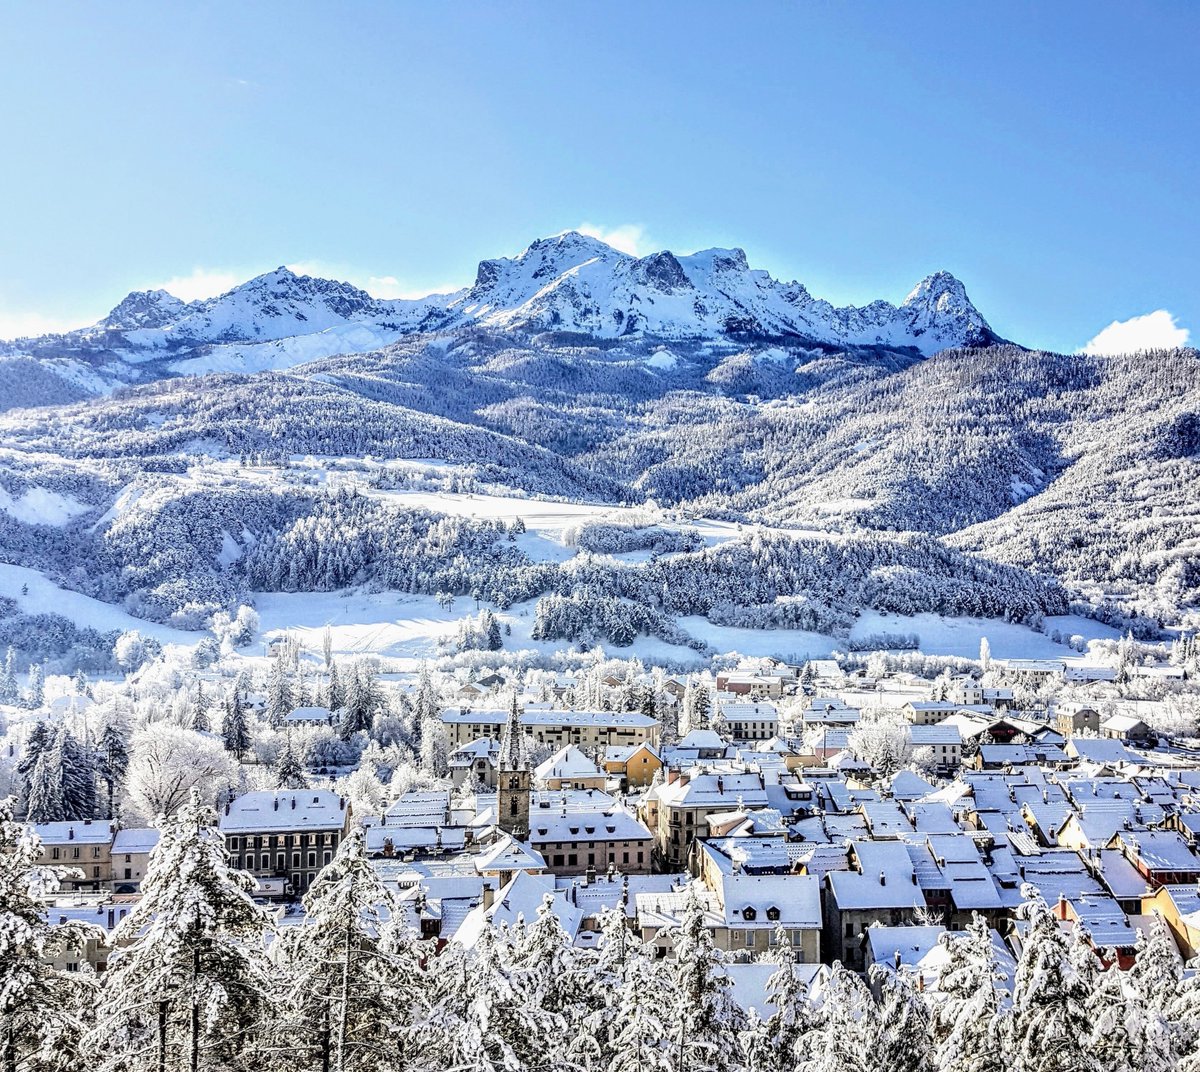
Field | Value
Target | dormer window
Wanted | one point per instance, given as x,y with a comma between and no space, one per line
749,914
773,914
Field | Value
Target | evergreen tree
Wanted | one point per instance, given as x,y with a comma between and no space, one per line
702,1020
40,739
968,1027
9,692
353,975
234,731
843,1041
1152,983
189,985
289,773
1049,1031
363,700
35,695
113,762
200,721
42,1009
900,1023
335,696
47,794
786,1031
280,700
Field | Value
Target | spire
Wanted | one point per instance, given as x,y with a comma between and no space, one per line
513,756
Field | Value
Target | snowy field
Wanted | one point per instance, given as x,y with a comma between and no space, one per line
960,636
45,597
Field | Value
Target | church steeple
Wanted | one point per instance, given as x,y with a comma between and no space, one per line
514,778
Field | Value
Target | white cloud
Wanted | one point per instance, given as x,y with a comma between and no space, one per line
1153,331
14,325
202,283
627,237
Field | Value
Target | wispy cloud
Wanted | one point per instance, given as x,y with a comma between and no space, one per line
1158,330
202,283
627,237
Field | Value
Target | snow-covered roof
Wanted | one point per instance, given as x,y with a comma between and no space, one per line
767,901
616,824
136,839
280,810
508,854
320,715
532,717
75,832
567,763
931,736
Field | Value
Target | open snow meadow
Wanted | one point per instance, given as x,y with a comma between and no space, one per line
539,538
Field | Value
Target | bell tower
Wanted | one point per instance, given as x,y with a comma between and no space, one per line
514,779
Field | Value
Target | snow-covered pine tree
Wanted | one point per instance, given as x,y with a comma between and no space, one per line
352,978
112,762
899,1024
1049,1029
703,1018
42,1009
47,800
200,720
969,1027
35,694
10,692
189,985
335,695
842,1043
787,1029
280,700
1152,983
289,772
639,1037
234,731
363,699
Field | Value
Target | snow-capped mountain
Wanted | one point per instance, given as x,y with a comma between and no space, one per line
579,284
569,283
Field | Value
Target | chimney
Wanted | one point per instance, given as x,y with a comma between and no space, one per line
882,878
71,833
275,803
589,876
897,960
625,890
293,803
914,878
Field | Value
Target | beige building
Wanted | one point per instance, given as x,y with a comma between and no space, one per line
585,729
82,846
286,835
131,851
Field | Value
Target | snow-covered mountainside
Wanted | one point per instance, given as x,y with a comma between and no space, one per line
570,283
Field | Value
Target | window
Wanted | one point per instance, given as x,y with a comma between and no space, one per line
749,913
129,872
312,859
773,914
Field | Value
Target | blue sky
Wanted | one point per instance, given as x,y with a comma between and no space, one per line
1046,153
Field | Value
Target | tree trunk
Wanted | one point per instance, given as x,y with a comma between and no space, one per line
162,1036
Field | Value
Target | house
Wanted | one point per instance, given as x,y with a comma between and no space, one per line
676,810
1073,718
634,764
131,851
588,729
1162,857
879,886
309,716
1035,671
81,846
928,712
285,834
1179,906
1104,752
749,721
569,768
575,842
944,744
477,760
1128,728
